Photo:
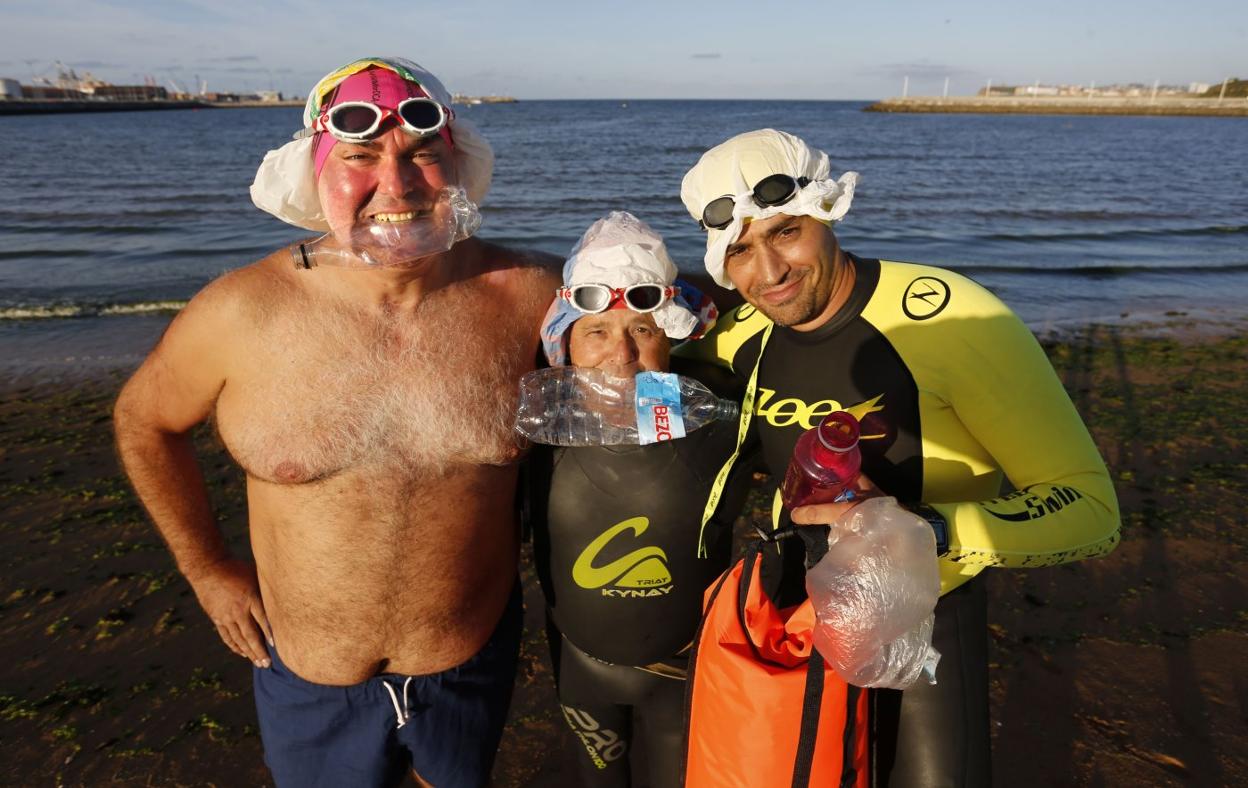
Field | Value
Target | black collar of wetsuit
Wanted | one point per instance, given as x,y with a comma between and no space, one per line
866,277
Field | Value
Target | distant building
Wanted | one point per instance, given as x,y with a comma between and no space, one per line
1036,90
10,88
129,92
1198,87
51,92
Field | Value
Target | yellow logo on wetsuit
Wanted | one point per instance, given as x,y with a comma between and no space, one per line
791,411
641,573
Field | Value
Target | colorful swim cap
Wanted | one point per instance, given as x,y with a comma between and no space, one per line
732,168
285,183
620,250
379,86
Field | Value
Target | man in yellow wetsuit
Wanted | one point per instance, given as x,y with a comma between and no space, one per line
955,396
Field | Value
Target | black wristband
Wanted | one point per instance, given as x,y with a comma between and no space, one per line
940,526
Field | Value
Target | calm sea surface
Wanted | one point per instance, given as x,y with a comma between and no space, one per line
108,221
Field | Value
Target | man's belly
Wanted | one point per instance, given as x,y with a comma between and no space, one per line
368,573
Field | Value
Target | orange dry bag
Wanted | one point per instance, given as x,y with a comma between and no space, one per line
764,710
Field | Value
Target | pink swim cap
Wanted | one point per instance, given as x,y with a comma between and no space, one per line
379,86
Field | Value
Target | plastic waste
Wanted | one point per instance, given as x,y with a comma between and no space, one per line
825,463
449,218
874,593
585,406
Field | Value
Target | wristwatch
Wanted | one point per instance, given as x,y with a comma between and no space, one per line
940,526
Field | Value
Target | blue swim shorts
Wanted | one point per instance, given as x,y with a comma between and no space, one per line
446,726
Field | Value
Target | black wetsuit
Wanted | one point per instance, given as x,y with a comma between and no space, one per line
616,545
954,395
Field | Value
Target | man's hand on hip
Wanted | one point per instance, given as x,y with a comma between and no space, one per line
230,594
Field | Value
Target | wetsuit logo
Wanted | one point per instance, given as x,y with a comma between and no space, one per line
603,745
791,411
640,573
1032,503
925,297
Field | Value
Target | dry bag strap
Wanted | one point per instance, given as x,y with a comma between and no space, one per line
743,427
812,705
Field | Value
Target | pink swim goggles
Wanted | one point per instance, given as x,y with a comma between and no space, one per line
592,298
356,121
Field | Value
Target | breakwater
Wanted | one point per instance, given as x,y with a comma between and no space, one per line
1065,105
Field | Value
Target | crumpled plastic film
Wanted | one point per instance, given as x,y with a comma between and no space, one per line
732,169
826,200
451,218
620,250
874,594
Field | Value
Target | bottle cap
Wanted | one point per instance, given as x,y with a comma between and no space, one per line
838,431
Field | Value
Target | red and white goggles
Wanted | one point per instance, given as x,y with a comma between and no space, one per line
592,298
356,121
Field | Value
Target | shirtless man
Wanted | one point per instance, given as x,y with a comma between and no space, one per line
368,397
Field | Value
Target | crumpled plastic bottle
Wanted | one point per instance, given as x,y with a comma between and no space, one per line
874,594
584,406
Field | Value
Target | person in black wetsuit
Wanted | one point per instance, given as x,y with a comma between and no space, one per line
955,397
620,554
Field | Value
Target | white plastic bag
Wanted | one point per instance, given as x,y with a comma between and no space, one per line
874,594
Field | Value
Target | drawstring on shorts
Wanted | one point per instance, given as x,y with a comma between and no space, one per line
401,714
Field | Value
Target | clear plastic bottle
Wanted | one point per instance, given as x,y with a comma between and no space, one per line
584,406
825,462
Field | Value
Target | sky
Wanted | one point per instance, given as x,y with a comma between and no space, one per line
640,49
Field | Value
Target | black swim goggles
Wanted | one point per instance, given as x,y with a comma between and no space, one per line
594,298
768,193
356,121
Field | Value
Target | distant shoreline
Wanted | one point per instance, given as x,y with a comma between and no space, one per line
1064,105
61,106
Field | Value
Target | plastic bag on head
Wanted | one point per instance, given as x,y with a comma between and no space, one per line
874,594
620,250
732,169
450,219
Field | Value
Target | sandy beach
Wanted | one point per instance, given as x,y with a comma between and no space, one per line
1126,670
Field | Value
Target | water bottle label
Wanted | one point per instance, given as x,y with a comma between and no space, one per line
659,417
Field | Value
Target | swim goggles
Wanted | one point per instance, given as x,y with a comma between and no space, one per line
771,191
356,121
594,298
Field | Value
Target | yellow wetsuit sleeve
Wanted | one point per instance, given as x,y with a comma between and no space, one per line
989,397
720,345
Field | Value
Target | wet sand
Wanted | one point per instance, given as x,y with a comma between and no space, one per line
1126,670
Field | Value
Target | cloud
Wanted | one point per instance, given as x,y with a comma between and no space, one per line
919,70
234,59
706,56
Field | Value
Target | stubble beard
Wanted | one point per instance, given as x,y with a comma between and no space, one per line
799,309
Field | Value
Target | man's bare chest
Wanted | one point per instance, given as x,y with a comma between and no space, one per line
310,404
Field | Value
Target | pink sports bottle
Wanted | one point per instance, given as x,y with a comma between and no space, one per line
825,463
